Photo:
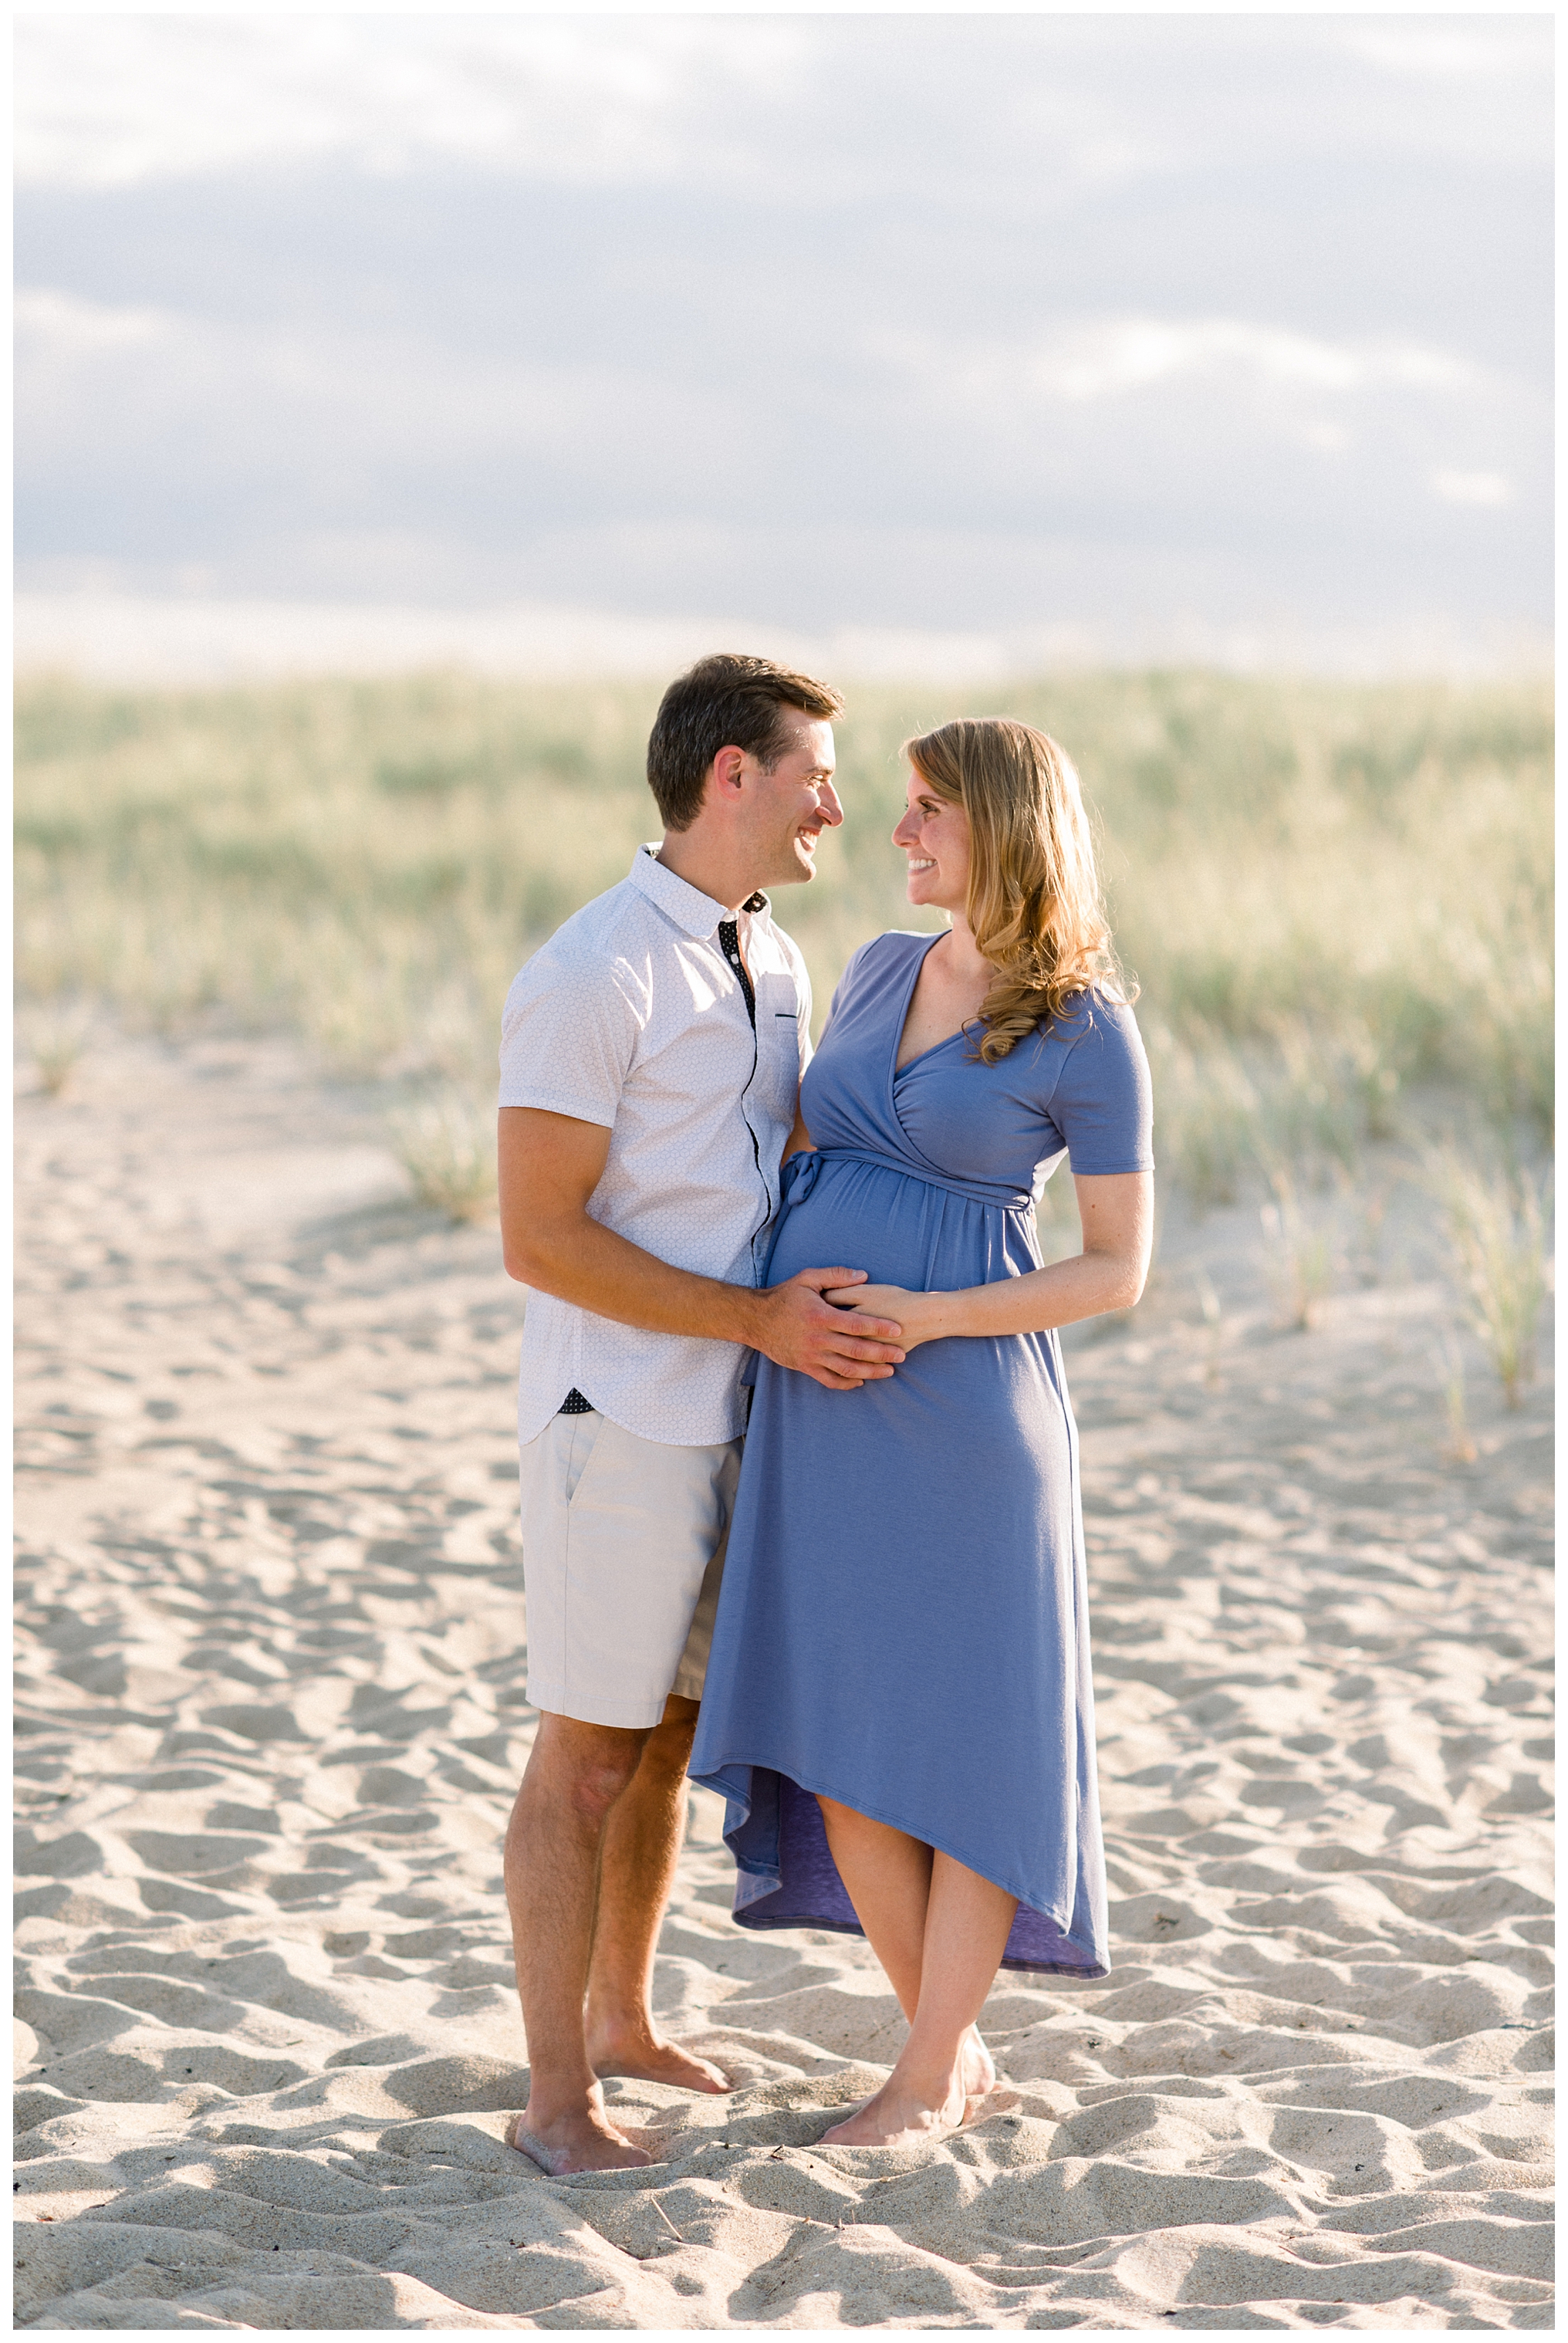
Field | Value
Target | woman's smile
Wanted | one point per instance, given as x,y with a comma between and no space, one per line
929,817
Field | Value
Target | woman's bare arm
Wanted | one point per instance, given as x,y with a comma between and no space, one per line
1116,1212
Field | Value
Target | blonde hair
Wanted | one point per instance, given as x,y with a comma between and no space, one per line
1034,905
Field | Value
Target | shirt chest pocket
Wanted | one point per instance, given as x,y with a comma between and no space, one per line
777,1044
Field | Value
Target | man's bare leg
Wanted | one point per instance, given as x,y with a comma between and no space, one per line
641,1847
576,1773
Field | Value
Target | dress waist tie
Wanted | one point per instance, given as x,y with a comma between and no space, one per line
803,1171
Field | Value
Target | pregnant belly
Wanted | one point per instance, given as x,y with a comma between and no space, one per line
997,1401
899,1230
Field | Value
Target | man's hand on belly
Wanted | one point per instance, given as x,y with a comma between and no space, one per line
839,1349
549,1167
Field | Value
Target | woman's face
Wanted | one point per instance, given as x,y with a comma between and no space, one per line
935,836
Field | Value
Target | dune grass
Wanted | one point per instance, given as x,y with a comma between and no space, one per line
447,1143
1497,1218
1329,893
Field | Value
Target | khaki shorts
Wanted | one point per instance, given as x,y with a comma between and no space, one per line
623,1551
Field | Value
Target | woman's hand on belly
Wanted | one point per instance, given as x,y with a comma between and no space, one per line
1117,1212
839,1349
919,1317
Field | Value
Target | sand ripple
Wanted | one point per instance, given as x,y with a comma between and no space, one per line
272,1719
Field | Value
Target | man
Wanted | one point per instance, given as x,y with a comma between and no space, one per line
650,1059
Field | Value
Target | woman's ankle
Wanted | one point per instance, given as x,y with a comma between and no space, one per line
931,2080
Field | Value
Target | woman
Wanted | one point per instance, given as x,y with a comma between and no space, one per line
898,1707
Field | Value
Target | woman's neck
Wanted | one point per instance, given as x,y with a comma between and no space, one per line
966,962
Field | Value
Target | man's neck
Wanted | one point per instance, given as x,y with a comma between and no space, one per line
703,865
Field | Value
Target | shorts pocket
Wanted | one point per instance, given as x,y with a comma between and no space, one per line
585,1439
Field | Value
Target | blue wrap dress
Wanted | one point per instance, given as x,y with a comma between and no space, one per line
903,1621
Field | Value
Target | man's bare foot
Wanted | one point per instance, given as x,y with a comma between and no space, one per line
646,2058
583,2141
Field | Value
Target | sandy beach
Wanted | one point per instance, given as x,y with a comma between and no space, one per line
272,1719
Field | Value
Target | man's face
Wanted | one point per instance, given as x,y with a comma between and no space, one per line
794,803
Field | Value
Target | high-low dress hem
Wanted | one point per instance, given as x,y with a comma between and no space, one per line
758,1883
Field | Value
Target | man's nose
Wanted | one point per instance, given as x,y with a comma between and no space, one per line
828,804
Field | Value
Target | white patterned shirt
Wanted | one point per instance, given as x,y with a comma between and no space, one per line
631,1017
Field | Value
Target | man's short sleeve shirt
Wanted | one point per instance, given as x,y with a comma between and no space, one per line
633,1017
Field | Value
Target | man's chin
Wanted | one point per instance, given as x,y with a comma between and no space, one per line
801,867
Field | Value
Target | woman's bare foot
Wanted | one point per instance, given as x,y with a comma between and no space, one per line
904,2114
899,2115
584,2141
646,2058
977,2073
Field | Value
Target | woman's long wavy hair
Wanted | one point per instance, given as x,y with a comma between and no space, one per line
1034,903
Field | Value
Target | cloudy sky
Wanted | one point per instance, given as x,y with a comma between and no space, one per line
1130,334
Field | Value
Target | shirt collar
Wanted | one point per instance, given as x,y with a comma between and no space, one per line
698,913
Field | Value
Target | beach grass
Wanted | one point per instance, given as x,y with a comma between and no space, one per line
1497,1220
445,1143
1330,894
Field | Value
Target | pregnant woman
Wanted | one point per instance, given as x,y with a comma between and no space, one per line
899,1710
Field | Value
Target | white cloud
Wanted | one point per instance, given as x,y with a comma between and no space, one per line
1473,487
1102,360
869,102
62,325
114,101
1456,48
1479,87
1115,358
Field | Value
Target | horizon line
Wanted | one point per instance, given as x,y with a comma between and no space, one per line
110,636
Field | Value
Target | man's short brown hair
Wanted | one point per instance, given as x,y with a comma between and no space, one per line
728,701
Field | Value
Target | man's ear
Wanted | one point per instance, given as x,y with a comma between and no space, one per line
724,774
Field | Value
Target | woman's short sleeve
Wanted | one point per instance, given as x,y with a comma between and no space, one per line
1103,1104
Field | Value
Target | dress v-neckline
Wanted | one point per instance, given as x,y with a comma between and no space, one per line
920,1055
